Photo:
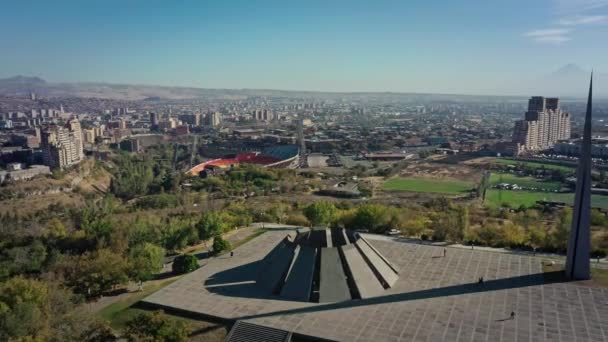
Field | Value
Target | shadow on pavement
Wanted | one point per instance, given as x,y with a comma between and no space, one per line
487,286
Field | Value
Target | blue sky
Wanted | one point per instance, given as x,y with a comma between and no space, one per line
469,46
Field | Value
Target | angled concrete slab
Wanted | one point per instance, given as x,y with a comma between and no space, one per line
298,283
332,279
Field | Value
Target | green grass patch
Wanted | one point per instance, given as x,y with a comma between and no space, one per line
496,197
120,312
428,185
255,234
537,165
526,182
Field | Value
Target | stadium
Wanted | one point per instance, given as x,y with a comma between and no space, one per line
284,156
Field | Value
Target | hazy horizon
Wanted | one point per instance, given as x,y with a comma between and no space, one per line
419,47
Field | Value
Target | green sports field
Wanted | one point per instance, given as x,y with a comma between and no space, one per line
528,198
505,161
526,182
428,185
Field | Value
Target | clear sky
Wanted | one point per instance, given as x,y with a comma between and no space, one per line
465,46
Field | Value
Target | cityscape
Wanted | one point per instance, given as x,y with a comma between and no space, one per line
153,196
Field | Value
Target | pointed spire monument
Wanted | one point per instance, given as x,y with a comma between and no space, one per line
579,244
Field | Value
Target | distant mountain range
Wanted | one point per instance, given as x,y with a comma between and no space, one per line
568,81
572,80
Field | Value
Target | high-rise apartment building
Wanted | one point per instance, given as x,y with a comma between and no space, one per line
543,126
154,119
62,146
213,119
193,120
262,115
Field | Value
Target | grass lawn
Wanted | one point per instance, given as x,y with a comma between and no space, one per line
428,185
528,198
526,182
120,312
255,234
538,165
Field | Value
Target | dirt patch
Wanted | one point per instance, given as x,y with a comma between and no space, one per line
435,170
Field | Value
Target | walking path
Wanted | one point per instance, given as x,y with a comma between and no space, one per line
200,251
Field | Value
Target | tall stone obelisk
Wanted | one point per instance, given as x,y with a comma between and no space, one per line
579,244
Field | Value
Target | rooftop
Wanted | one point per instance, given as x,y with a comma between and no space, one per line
434,298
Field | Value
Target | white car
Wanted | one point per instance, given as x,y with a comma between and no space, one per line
393,232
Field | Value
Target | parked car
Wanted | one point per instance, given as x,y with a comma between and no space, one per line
393,232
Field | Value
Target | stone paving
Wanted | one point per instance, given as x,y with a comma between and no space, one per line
435,299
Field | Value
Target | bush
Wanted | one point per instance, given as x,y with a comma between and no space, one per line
220,245
156,326
160,201
297,220
320,213
184,263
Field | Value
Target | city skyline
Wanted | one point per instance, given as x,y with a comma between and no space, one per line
342,47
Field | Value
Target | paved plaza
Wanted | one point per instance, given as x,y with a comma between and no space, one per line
436,298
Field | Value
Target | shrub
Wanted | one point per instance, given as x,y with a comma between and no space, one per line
184,263
297,220
156,326
220,245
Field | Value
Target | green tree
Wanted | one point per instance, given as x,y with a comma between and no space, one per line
561,231
33,310
320,213
211,224
146,260
536,237
374,217
177,235
184,263
94,273
156,326
220,245
98,331
462,222
55,229
24,311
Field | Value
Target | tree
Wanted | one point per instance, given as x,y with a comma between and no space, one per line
99,331
55,229
320,213
93,273
156,326
146,260
536,237
178,235
374,217
561,232
211,224
489,234
184,263
220,245
24,310
462,223
514,235
33,310
445,227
